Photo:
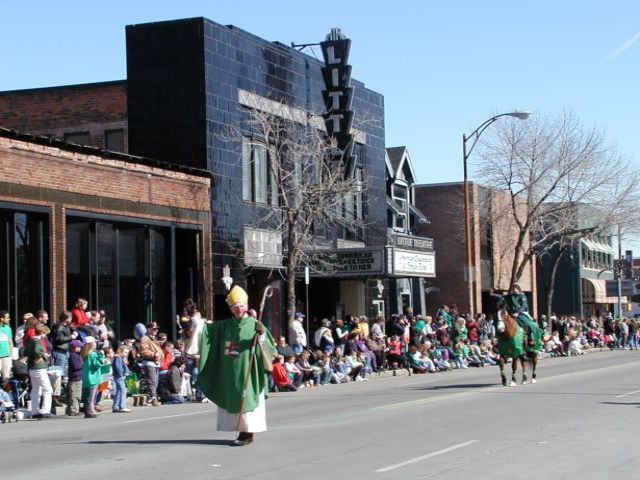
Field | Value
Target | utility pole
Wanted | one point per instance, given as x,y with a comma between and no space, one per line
619,272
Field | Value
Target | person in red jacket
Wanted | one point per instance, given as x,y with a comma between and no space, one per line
79,317
280,376
472,331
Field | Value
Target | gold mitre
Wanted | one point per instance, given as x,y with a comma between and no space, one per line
237,295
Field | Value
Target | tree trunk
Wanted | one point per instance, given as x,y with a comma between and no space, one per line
516,267
552,281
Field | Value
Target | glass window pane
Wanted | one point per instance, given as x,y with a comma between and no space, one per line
32,288
78,261
161,292
114,140
5,229
131,263
260,173
246,171
107,282
273,177
81,138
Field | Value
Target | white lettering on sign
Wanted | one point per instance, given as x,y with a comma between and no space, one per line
335,97
414,242
336,117
347,262
335,78
331,56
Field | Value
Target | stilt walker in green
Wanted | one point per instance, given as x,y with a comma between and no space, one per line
232,371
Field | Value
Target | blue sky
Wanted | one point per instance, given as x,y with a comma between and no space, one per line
443,66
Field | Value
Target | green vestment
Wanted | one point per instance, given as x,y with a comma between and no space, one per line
225,353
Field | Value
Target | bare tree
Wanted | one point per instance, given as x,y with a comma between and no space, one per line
552,169
307,196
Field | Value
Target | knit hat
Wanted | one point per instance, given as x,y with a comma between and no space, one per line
89,339
139,331
75,344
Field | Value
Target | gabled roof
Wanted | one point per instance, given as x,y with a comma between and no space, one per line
395,156
398,159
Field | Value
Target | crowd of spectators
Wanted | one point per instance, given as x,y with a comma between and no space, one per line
77,361
352,349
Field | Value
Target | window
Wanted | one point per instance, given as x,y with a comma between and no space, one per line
81,138
400,221
258,175
353,204
401,196
114,140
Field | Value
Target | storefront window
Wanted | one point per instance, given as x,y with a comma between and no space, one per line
24,262
125,270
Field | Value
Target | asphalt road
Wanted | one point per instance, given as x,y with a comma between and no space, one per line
580,421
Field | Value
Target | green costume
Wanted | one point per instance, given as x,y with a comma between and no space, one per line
225,353
512,347
448,318
518,307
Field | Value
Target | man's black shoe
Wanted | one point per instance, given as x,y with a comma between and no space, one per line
243,439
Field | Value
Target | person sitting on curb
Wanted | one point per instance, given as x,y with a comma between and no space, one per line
281,380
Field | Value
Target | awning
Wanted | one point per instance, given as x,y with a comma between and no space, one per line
595,291
588,243
597,246
604,248
394,206
419,215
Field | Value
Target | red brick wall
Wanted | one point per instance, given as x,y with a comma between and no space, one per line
55,111
36,165
443,205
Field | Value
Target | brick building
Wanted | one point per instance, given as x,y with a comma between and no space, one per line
91,114
81,222
492,248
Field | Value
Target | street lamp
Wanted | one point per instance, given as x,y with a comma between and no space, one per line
474,136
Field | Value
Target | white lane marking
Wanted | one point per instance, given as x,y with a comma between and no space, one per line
625,394
424,457
166,416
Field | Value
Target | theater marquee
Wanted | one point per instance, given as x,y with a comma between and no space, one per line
413,264
411,256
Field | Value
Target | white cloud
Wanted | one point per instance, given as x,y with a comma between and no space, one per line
622,48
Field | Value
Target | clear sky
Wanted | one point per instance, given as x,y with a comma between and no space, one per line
442,66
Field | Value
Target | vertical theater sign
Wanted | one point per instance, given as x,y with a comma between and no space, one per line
338,97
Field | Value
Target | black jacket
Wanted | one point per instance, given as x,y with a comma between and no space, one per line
61,337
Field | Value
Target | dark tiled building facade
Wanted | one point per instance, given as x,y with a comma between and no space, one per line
187,83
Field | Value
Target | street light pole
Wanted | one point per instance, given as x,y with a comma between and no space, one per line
474,136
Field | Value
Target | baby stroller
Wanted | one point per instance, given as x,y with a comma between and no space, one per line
8,410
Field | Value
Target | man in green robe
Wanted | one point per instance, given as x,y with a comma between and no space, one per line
227,355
